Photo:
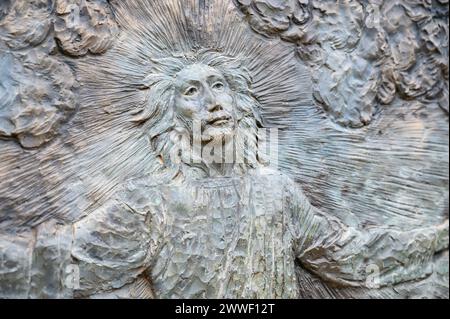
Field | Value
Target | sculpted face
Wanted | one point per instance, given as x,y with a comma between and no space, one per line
202,94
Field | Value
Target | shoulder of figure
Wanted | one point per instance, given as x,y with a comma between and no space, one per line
138,191
277,178
268,171
115,236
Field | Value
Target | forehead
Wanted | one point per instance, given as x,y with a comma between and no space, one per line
197,72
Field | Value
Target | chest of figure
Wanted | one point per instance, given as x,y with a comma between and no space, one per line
224,241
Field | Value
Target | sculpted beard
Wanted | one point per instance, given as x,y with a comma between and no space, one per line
186,144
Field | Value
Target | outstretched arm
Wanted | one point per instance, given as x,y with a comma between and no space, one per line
347,256
115,244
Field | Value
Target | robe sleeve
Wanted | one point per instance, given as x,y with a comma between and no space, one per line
374,257
115,244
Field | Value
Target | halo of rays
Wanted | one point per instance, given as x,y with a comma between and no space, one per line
114,148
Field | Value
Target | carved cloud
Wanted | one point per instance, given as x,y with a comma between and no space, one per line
84,26
35,97
363,54
24,23
35,88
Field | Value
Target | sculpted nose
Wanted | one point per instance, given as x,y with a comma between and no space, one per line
211,102
214,107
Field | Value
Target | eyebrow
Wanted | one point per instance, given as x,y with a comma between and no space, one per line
189,82
215,76
185,84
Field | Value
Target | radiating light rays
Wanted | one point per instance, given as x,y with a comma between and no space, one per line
102,147
111,148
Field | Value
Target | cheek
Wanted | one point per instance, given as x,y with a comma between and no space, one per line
186,108
226,100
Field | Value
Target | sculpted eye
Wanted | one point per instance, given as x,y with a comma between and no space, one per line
218,86
191,91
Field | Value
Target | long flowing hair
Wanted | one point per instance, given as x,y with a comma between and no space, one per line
164,128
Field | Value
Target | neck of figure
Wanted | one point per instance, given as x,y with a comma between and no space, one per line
219,166
221,169
201,162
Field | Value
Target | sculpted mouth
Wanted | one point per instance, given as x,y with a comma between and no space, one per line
220,120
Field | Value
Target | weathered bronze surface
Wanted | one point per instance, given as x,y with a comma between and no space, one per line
132,159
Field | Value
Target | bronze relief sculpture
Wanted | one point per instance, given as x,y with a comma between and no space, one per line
158,184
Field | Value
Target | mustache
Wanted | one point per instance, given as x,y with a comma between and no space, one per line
205,121
218,116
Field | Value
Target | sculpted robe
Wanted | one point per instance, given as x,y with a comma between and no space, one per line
235,237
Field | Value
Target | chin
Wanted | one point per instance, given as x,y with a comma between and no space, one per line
218,134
